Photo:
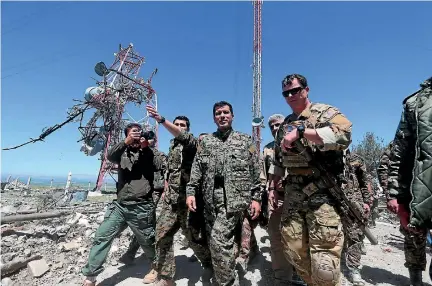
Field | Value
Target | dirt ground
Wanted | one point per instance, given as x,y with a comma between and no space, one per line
383,264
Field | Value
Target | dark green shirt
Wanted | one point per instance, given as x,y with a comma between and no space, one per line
135,171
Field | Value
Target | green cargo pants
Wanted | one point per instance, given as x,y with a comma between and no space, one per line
140,217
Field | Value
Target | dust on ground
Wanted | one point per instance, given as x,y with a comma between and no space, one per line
59,248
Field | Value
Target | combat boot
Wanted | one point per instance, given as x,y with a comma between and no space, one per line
151,277
355,277
415,277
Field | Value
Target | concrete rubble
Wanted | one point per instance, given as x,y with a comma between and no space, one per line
52,251
60,245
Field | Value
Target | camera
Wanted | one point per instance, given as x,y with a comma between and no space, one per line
148,135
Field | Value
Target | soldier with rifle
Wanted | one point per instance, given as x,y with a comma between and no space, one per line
309,146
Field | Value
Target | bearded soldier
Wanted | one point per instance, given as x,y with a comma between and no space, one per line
312,232
410,177
227,167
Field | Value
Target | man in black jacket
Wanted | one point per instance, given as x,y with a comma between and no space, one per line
134,206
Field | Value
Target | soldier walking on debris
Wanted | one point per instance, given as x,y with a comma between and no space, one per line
158,184
227,168
410,177
284,273
174,213
312,232
134,205
357,191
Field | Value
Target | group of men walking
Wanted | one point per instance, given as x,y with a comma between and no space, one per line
216,188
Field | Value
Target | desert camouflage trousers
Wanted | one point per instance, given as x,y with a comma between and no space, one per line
312,236
170,220
282,269
351,254
414,249
221,229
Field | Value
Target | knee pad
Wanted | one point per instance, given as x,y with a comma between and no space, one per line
325,270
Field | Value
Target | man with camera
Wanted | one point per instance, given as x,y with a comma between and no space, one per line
158,184
174,213
134,205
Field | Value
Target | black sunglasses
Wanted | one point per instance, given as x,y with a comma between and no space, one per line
292,91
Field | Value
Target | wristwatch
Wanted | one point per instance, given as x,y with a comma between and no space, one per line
162,120
301,130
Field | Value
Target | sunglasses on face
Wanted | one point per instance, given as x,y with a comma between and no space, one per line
276,125
292,91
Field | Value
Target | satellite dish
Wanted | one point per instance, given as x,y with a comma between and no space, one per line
258,121
100,143
101,69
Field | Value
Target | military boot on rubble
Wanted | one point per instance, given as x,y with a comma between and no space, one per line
415,277
352,274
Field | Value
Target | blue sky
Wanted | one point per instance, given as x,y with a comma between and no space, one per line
363,57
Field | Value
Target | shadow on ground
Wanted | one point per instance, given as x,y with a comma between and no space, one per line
188,270
140,268
378,275
260,263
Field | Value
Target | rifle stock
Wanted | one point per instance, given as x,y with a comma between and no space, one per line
346,206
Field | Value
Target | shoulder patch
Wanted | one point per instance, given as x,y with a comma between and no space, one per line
252,148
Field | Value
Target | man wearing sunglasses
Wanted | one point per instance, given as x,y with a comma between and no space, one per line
311,227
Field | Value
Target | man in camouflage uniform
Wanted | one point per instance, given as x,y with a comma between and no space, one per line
158,184
357,191
312,232
134,205
174,213
284,273
410,177
227,168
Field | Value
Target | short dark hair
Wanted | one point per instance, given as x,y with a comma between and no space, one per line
184,118
130,126
289,78
220,104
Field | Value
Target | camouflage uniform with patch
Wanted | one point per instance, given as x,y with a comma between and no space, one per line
356,189
410,177
309,209
227,168
174,213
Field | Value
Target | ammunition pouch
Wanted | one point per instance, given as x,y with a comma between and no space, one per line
309,176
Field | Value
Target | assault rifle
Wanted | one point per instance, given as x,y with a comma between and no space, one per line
350,211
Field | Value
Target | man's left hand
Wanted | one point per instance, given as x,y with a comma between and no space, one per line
153,113
255,208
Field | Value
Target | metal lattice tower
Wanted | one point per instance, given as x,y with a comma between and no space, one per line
119,88
257,121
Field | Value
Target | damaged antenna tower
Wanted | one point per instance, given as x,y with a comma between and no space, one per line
119,87
115,95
